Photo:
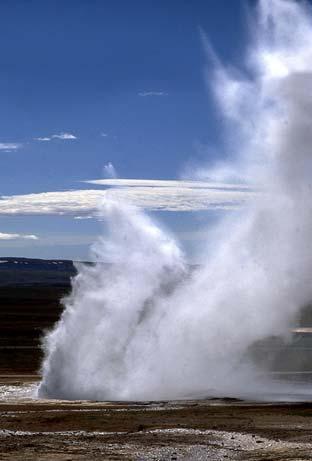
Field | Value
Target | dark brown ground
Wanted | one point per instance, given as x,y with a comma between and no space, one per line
180,430
33,430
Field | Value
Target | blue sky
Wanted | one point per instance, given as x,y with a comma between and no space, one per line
105,81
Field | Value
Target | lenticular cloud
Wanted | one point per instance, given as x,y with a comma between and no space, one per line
145,327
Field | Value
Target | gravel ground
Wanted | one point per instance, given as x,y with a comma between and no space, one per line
212,429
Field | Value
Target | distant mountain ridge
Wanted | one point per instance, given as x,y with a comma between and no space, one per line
29,271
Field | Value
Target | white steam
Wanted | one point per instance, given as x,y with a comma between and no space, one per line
143,328
110,171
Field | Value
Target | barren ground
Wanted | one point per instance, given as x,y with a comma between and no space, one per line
217,429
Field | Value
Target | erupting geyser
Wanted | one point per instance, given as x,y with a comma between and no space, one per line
143,328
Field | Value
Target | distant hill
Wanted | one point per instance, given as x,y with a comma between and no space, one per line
36,272
40,272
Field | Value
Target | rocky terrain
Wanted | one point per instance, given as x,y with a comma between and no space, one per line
211,429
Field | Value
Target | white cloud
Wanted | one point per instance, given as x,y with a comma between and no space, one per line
151,195
105,135
78,202
64,136
152,93
17,236
166,183
9,146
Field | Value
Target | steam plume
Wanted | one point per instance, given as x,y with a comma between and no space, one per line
144,328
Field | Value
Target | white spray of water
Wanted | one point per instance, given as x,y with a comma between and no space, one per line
143,328
110,171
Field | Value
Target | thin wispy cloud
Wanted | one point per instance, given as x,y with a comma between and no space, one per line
120,182
153,195
4,236
49,240
63,136
10,146
105,135
152,93
44,138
